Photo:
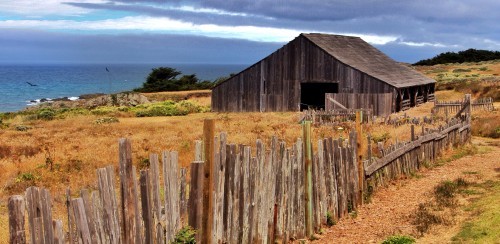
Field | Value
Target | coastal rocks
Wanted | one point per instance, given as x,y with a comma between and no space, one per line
91,101
120,99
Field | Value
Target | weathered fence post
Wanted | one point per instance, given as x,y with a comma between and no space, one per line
57,226
208,182
171,189
361,173
306,128
195,203
16,220
147,206
156,201
110,215
131,231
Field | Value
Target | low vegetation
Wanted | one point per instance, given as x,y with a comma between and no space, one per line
165,108
440,209
485,226
469,55
186,235
397,239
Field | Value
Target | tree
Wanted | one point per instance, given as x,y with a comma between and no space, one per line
160,79
165,79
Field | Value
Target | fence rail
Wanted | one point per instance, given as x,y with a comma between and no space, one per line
485,104
335,116
259,195
406,157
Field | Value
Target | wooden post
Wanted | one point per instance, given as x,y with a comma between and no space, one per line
70,227
147,206
127,186
156,201
171,189
182,199
109,203
306,129
361,173
17,233
195,214
58,230
208,182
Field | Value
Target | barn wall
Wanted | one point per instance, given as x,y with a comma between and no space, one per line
273,84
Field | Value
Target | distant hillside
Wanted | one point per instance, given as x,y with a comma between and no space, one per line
469,55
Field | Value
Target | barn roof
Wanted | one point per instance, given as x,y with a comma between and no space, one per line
355,52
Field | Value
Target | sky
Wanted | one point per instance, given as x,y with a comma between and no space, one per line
234,32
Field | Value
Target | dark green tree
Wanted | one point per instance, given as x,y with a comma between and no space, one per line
165,79
469,55
161,79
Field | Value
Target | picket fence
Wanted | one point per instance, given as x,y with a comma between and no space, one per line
266,196
481,104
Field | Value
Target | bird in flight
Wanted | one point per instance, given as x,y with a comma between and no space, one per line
31,84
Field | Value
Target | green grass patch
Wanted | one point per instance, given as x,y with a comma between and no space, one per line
485,227
186,235
397,239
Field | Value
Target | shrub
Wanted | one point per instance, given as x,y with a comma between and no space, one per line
106,120
399,240
461,70
329,219
381,138
186,235
46,114
104,110
423,218
23,127
27,176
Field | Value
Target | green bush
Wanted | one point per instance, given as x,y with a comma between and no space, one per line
46,114
329,219
106,120
104,110
461,70
27,176
167,108
399,240
186,235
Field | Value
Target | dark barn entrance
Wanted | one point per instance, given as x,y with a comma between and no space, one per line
312,95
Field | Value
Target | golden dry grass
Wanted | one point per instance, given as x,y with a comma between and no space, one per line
66,153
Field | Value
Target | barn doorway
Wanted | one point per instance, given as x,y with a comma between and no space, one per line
312,95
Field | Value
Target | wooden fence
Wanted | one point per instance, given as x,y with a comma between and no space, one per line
408,157
450,107
265,196
336,116
379,103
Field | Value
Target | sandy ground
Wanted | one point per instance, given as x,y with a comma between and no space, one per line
390,208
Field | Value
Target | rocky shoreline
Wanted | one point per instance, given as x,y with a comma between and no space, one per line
91,101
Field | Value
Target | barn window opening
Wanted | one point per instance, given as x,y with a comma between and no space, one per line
312,95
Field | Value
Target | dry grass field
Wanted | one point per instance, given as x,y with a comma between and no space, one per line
63,153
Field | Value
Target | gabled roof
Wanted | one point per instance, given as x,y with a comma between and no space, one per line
355,52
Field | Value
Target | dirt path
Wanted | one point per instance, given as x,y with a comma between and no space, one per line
390,207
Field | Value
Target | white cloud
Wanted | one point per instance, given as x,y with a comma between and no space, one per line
167,25
422,44
40,8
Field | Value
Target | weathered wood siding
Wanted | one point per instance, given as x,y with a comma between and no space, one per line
273,84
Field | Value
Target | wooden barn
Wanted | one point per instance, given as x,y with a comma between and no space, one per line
320,71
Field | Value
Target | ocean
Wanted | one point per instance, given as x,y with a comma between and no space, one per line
26,85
